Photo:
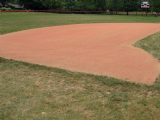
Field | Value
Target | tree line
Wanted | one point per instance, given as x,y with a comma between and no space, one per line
87,5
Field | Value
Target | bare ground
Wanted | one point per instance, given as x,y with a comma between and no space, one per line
103,49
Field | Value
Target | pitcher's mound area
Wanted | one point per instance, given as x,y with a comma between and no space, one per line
103,49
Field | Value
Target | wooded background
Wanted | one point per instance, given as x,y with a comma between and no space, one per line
87,5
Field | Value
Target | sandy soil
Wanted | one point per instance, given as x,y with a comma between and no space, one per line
103,49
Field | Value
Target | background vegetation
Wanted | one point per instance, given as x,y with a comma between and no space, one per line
86,5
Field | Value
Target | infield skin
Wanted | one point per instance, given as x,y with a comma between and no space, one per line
103,49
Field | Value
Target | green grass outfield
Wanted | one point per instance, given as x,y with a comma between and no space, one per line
11,22
34,92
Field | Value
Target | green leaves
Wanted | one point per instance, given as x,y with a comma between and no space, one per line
156,6
86,5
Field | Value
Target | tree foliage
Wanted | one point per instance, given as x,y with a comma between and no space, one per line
4,2
156,6
86,5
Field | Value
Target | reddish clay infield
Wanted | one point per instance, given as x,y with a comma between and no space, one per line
103,49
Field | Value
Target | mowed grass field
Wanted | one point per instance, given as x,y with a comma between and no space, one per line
34,92
11,22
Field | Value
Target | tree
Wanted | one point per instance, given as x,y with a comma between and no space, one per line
14,1
70,5
86,5
131,5
4,2
156,6
101,5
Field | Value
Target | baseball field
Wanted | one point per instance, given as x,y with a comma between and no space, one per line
79,66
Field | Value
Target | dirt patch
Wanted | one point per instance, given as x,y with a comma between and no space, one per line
103,49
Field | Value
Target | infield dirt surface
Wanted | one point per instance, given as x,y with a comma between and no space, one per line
101,48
